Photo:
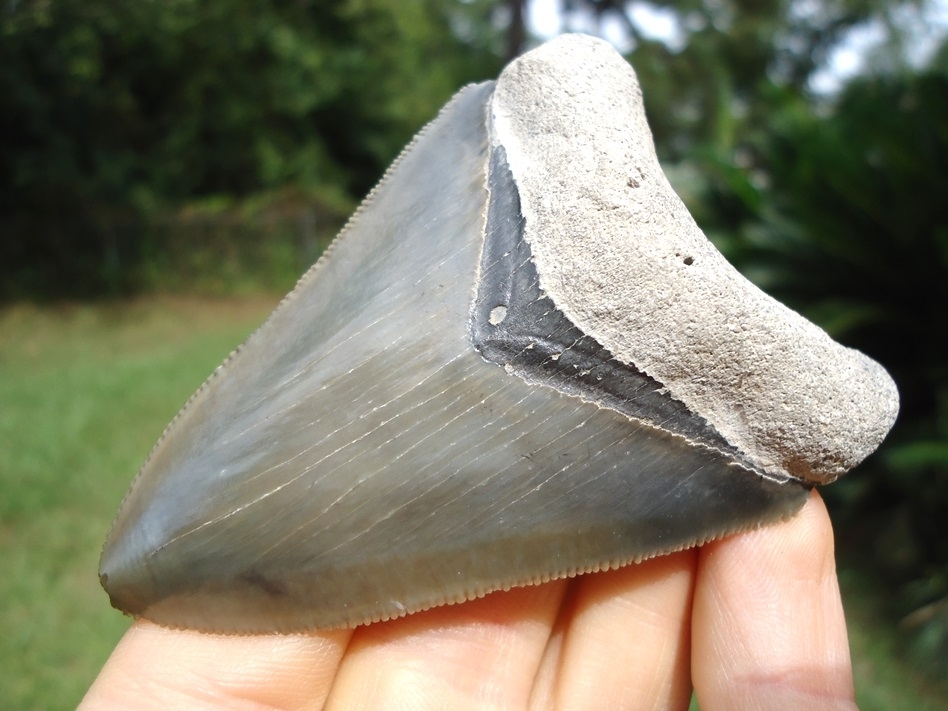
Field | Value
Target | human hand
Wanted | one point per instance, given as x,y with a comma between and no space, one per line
750,622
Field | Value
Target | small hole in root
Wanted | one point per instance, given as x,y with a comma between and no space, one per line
497,315
689,261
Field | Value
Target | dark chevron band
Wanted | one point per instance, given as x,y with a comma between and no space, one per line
515,325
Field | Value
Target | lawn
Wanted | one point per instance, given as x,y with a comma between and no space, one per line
84,392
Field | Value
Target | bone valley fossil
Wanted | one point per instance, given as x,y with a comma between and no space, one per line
521,360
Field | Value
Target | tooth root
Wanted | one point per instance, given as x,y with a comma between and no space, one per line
429,417
628,266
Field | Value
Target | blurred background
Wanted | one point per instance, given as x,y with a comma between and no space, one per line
169,169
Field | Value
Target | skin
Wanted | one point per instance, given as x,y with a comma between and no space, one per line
753,621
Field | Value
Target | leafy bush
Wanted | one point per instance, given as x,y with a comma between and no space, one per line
116,114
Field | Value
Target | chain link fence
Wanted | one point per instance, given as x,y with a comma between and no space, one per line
46,257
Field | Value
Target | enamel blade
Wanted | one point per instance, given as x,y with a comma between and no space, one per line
466,394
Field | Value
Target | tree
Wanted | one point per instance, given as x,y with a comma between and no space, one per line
114,110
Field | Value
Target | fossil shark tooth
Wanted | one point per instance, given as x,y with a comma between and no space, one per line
521,360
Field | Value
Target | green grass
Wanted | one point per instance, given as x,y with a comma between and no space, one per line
84,393
886,678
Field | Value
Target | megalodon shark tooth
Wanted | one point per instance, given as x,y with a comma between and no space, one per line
521,360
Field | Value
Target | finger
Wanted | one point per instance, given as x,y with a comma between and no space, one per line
482,654
157,668
624,640
768,630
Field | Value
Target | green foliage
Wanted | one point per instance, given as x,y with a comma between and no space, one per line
84,393
141,104
115,111
714,83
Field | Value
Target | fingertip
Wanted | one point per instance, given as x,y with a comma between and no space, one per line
768,626
801,548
